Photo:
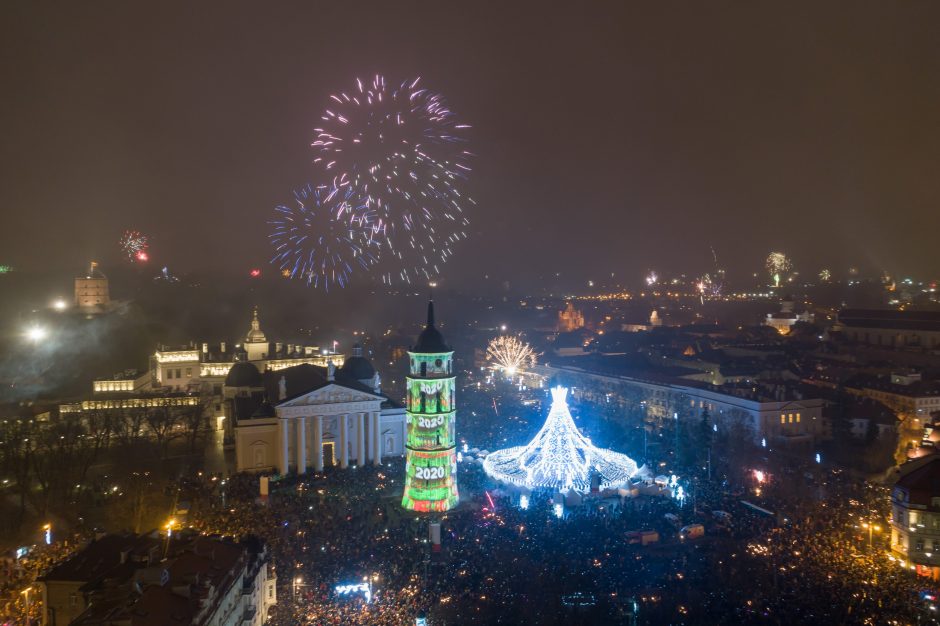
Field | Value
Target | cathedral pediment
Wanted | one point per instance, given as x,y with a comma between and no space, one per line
330,394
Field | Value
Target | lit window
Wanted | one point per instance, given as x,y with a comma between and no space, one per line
791,418
783,418
797,418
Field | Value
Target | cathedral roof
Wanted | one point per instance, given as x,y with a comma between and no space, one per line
358,368
430,340
304,378
243,374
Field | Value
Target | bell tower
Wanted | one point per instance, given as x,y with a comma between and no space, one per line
430,446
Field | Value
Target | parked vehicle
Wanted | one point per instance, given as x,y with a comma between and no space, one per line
722,517
642,537
692,531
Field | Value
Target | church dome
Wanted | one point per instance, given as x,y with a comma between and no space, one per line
431,340
255,335
243,374
357,366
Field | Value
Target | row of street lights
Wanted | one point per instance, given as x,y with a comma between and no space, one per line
47,537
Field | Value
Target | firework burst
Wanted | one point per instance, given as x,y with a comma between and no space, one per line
510,354
323,235
402,148
135,246
708,286
778,266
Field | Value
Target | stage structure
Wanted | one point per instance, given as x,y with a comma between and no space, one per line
560,457
430,445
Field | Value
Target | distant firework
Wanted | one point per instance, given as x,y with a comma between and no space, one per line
825,275
778,266
255,273
402,148
166,275
510,354
652,279
708,286
323,235
135,246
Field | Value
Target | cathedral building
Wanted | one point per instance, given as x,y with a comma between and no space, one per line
308,418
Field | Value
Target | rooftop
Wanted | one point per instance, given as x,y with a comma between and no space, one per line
891,319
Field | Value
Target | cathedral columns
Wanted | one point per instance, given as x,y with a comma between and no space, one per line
283,431
344,440
376,422
301,445
318,443
360,439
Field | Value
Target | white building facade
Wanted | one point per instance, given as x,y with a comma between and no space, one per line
334,425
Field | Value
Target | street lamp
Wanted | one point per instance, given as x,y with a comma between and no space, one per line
169,533
25,592
297,582
872,528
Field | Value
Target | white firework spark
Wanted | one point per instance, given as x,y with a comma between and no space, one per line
510,354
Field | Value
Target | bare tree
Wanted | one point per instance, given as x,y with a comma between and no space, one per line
16,449
196,419
127,426
65,449
165,423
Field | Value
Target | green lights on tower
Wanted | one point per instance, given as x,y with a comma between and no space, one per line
430,446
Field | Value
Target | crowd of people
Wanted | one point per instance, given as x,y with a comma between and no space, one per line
502,564
18,573
345,552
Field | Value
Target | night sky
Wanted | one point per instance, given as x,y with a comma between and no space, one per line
611,137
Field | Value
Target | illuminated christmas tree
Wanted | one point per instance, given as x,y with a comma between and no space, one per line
430,448
560,457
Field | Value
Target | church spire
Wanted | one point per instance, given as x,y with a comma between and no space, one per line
430,313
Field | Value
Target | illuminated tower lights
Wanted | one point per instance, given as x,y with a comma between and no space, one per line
430,446
560,457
